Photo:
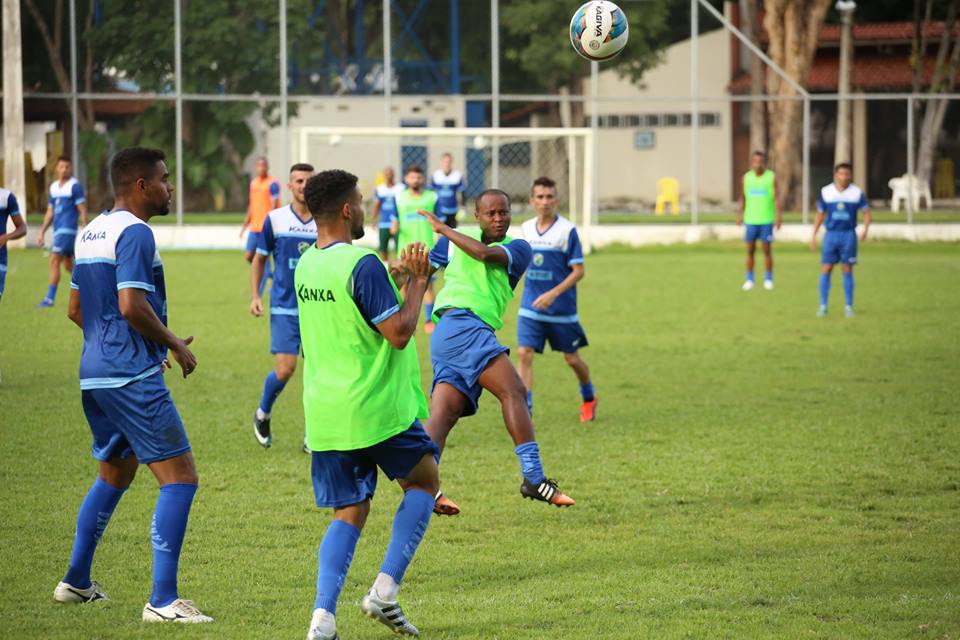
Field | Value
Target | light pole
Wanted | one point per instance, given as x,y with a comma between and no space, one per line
842,149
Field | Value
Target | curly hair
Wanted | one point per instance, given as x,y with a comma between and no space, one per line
326,192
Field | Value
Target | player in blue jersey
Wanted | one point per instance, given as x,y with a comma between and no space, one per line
837,209
287,233
384,210
449,185
9,210
118,298
481,270
548,310
67,207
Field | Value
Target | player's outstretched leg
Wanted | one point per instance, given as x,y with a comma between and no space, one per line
409,526
95,512
273,385
588,406
333,562
51,295
501,379
178,485
447,404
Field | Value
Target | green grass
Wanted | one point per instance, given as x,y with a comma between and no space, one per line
613,217
754,472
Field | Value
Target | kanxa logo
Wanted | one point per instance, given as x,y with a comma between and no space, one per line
89,236
314,294
598,26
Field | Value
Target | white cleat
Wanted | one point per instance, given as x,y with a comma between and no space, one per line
69,594
747,285
323,626
768,285
179,610
848,311
822,311
389,613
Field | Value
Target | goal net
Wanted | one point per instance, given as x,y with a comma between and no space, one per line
503,158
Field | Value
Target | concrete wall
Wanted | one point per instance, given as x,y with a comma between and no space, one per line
626,172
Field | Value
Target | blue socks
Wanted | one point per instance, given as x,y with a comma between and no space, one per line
749,276
530,465
848,287
409,525
428,311
768,276
92,519
586,391
272,387
51,296
167,530
824,288
333,561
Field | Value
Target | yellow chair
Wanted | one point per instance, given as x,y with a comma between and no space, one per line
943,180
668,192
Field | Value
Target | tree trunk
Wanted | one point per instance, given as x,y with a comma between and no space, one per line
758,110
935,110
793,27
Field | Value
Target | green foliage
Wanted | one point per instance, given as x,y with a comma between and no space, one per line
754,472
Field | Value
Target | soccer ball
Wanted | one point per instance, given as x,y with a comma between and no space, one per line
598,30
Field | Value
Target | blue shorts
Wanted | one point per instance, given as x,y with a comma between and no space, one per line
342,478
761,232
253,237
839,246
284,334
461,348
63,243
565,337
139,418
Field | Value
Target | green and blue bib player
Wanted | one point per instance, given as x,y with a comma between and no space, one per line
361,398
66,209
548,309
760,212
118,297
9,211
409,226
837,208
286,233
481,269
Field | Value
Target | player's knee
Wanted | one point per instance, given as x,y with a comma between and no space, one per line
285,370
526,355
572,359
248,256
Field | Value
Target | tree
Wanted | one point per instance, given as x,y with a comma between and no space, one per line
943,80
793,27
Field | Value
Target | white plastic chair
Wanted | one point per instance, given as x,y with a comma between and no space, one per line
901,188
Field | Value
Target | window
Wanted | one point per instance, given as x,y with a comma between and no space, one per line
651,120
670,120
712,119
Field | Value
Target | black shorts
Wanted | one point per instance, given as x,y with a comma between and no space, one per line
385,237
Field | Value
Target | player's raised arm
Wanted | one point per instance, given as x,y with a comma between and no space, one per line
400,327
473,248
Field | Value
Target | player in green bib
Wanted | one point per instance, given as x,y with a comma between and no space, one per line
409,226
361,398
482,268
760,211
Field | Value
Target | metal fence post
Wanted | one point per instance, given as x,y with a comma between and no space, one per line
495,89
805,189
910,160
74,105
694,111
284,124
387,62
177,41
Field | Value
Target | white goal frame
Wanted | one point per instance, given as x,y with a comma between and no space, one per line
581,209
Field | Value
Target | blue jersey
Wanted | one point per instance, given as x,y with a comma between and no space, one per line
841,207
387,197
555,251
8,209
64,199
117,251
286,236
446,185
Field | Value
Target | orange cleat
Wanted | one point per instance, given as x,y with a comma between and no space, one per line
588,410
428,327
547,491
444,506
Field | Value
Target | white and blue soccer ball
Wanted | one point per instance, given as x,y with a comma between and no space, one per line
599,30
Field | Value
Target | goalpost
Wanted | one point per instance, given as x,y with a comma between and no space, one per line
503,158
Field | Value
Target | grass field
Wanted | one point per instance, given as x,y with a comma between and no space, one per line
754,471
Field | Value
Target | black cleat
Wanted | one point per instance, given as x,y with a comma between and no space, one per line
547,491
261,430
